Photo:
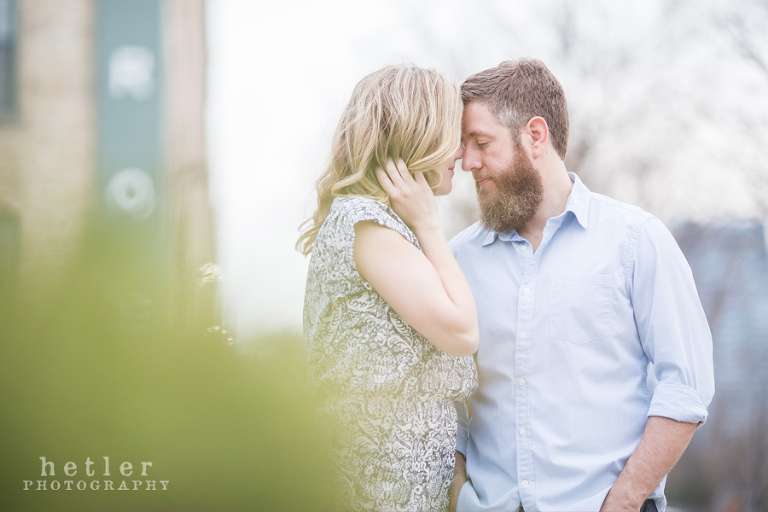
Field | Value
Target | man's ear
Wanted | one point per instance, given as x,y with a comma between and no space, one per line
537,132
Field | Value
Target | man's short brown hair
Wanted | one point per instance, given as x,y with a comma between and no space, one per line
518,90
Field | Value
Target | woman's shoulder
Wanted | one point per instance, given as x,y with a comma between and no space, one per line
349,211
359,205
358,209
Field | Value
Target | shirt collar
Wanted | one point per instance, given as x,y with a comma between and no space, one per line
577,204
578,201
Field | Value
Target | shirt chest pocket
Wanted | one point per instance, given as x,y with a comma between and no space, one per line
580,308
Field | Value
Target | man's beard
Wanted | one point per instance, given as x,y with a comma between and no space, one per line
519,192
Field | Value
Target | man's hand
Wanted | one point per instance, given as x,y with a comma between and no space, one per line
615,502
662,444
459,477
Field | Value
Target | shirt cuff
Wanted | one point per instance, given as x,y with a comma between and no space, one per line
678,402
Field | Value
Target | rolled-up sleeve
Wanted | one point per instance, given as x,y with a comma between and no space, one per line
672,326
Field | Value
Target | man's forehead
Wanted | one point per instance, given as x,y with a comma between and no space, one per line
478,127
478,108
478,119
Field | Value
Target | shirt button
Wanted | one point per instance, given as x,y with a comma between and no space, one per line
522,431
522,247
523,335
522,382
525,483
527,290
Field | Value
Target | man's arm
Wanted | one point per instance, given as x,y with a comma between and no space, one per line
675,336
459,478
662,444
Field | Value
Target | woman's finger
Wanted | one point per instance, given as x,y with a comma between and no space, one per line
404,172
385,181
420,178
394,174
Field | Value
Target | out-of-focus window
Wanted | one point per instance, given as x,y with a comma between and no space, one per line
7,59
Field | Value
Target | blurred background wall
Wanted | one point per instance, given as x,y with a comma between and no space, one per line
102,127
47,135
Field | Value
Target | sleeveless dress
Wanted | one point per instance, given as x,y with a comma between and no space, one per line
386,392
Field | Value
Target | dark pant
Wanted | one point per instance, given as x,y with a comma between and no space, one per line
649,506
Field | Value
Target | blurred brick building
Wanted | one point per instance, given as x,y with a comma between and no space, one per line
80,97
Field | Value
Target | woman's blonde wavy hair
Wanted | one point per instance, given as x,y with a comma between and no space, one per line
399,112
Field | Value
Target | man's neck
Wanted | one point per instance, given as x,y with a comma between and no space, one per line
557,188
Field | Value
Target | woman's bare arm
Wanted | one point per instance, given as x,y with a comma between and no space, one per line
428,290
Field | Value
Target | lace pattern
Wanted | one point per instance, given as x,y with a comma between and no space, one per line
386,391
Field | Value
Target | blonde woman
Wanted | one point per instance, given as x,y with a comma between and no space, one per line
389,319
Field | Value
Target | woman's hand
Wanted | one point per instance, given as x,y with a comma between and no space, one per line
412,198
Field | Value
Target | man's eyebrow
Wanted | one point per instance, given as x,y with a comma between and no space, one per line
474,134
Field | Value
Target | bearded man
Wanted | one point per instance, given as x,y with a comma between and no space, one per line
595,358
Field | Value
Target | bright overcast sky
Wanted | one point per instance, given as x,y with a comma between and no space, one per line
279,75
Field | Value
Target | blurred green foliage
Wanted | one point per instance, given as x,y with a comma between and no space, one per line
228,429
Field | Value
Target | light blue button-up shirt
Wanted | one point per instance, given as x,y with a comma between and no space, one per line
566,337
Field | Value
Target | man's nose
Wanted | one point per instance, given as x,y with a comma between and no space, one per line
470,160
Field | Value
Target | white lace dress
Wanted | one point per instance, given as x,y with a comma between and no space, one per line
387,391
